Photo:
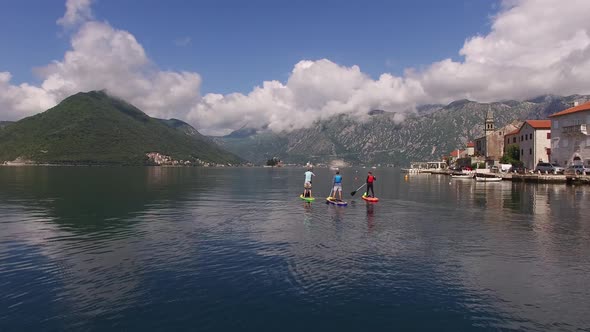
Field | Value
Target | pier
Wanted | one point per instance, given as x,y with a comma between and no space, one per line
533,177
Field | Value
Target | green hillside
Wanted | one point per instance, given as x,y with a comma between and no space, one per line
94,128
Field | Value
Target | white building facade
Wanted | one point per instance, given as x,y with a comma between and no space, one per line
570,136
534,142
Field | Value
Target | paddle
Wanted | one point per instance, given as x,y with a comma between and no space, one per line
330,193
359,188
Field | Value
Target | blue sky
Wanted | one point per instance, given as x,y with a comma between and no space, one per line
236,45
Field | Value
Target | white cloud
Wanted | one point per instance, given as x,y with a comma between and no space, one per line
77,11
315,90
534,47
23,100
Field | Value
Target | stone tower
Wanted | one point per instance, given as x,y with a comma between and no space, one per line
489,128
489,123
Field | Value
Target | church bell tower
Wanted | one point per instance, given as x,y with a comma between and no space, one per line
489,123
489,128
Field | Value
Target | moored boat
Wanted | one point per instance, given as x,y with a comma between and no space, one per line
462,176
487,178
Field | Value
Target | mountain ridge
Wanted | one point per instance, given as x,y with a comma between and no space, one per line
427,134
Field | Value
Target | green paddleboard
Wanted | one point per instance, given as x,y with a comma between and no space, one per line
307,199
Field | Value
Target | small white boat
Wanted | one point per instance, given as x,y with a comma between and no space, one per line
462,176
481,178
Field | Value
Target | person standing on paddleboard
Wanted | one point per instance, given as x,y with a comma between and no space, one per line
370,179
307,185
338,185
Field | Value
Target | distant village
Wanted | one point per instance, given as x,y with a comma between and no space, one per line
158,159
563,139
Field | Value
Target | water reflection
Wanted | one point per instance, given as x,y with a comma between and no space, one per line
370,215
181,247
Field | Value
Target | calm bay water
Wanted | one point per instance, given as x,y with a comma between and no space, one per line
235,249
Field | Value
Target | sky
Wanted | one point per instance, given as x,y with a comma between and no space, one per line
220,65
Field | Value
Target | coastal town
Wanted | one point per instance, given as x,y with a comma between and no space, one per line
556,149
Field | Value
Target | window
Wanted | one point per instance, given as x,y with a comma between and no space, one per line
530,151
531,136
521,152
548,135
526,137
521,138
514,140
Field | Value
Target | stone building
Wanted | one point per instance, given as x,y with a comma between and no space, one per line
570,136
491,145
534,142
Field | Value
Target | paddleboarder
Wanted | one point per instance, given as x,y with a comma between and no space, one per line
337,185
370,179
307,185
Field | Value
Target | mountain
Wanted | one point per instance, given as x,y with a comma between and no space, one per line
184,128
94,128
5,123
429,133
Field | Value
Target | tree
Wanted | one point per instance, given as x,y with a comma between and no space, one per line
273,161
511,156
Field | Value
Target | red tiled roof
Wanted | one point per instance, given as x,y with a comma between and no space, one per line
470,145
539,124
454,153
579,108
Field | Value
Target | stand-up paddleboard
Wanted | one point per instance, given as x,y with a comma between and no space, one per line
370,199
334,201
307,199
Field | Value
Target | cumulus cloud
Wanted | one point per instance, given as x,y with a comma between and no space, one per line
534,47
22,100
77,11
314,90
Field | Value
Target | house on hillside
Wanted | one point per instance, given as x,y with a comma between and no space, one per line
470,149
456,154
468,152
491,145
570,135
534,142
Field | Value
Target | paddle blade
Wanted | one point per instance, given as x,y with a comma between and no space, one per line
352,193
